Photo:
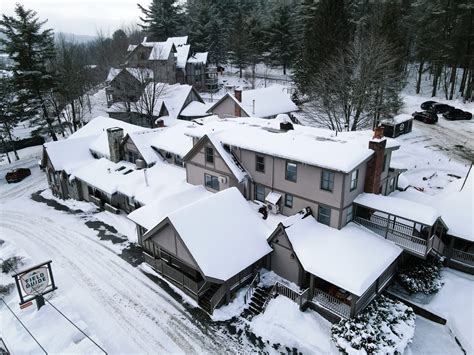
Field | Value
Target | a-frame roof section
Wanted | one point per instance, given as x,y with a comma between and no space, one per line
223,98
229,159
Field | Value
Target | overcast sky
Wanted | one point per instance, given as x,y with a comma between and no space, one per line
83,17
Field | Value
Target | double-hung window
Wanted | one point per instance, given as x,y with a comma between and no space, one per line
350,214
260,163
354,179
209,155
289,200
291,171
327,180
211,181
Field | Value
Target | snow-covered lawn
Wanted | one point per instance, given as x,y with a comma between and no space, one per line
454,302
283,323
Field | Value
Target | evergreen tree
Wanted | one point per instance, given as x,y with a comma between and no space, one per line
31,49
280,37
238,42
161,19
11,112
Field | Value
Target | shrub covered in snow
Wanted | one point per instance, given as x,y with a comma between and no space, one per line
384,327
6,290
421,276
12,264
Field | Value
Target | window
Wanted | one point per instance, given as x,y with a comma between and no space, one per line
209,155
260,193
324,215
350,213
132,157
260,163
391,184
327,180
291,171
211,181
354,179
384,162
178,160
289,200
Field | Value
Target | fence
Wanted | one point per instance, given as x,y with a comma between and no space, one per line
331,303
462,256
298,297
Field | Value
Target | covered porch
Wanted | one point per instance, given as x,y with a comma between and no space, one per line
411,226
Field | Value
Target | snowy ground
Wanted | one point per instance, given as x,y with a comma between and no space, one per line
454,302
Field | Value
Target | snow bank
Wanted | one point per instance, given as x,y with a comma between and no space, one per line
283,323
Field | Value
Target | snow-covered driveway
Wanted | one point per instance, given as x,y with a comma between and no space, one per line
124,310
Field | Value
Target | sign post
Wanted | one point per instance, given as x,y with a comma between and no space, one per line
35,282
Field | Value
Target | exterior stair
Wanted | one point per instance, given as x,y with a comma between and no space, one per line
205,299
258,301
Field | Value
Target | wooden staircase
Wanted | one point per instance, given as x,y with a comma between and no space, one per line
205,300
258,301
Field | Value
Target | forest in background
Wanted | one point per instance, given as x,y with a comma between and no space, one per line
349,59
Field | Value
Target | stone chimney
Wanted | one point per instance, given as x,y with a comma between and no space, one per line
375,165
114,137
238,96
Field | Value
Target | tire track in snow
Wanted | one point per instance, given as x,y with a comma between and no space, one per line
50,235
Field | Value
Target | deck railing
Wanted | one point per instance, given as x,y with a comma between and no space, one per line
331,303
462,256
298,297
398,235
252,286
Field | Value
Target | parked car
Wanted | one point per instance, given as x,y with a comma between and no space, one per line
436,107
442,108
17,175
426,117
427,105
457,114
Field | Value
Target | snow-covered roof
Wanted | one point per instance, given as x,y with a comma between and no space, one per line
309,145
237,169
182,53
173,139
195,109
69,154
456,206
222,232
104,174
178,41
403,117
142,140
273,197
100,124
153,213
351,258
263,102
141,74
161,50
200,57
412,211
174,97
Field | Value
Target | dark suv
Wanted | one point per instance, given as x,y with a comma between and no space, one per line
436,107
17,175
457,114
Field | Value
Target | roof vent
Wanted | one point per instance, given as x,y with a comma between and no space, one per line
286,126
140,163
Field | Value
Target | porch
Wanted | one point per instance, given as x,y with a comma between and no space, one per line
413,236
459,253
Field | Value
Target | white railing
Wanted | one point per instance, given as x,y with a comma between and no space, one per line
253,284
331,303
298,297
462,256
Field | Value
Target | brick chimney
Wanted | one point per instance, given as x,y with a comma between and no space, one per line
238,96
159,123
114,137
375,165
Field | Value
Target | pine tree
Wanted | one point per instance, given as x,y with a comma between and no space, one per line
161,19
238,42
31,49
11,112
280,41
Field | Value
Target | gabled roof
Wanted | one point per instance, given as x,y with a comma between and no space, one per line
263,102
178,41
141,74
222,232
69,154
343,151
230,160
161,50
351,258
200,57
182,53
173,139
142,140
